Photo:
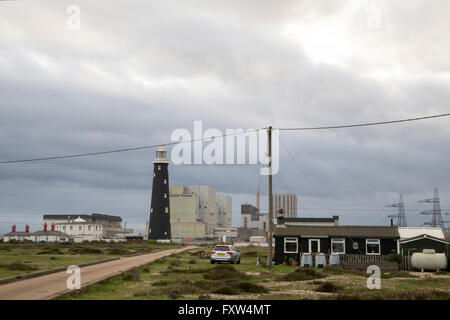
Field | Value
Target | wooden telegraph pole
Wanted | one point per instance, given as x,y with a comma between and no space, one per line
270,233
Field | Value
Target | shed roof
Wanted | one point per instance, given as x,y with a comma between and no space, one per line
424,236
338,231
410,232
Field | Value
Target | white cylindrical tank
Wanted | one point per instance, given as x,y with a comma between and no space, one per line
306,261
429,260
335,260
321,260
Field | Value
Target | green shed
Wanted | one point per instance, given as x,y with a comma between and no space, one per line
424,241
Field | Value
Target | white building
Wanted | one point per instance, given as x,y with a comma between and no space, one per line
38,236
89,226
81,230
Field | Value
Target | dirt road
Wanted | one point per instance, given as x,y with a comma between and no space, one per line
52,285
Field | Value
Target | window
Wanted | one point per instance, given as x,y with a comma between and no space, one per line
373,246
314,245
338,245
165,195
167,209
89,228
159,167
151,210
71,228
290,245
154,174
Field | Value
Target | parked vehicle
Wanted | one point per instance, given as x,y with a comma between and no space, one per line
225,253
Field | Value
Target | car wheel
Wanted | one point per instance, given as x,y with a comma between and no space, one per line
239,261
212,262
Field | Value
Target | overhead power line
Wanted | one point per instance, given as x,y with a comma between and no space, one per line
224,135
122,150
364,124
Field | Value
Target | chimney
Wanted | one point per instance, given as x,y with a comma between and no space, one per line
45,226
392,222
27,228
53,227
13,228
258,198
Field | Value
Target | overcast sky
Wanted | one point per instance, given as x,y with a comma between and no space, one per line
137,70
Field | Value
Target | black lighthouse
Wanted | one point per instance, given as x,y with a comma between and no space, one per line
159,228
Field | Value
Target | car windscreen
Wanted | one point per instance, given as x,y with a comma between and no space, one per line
222,248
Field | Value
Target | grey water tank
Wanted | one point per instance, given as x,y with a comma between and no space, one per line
321,260
306,261
335,259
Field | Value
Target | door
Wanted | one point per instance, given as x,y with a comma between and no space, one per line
314,245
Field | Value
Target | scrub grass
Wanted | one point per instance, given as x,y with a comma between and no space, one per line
160,280
23,258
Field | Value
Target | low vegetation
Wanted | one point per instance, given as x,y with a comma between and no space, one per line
301,275
189,275
21,258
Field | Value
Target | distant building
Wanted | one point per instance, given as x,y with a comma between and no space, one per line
85,227
252,219
287,202
38,236
197,210
224,210
95,226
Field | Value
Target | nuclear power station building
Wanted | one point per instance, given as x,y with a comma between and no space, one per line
159,227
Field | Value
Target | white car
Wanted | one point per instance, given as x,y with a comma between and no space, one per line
225,253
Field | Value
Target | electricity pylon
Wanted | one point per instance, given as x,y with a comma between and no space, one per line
400,216
436,214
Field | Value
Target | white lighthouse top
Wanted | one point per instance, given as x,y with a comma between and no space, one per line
161,155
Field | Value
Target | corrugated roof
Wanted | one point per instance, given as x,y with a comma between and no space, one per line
411,232
338,231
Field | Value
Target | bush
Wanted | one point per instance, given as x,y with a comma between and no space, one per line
132,275
301,275
51,251
224,273
204,297
394,257
19,266
328,287
226,289
237,287
173,295
84,250
192,261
